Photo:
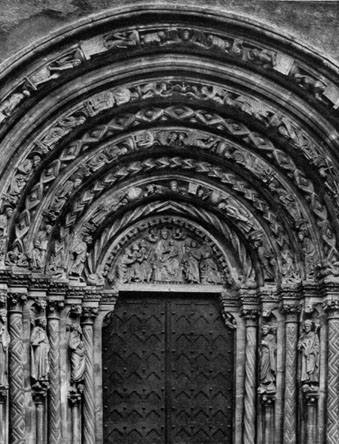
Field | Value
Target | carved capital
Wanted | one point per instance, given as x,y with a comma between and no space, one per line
89,314
3,394
39,392
75,394
267,399
332,308
310,397
75,310
290,311
250,314
16,300
54,308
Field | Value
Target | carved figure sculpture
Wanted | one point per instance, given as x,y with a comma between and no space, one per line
4,343
79,255
208,270
4,218
266,258
191,263
8,105
309,253
39,352
40,247
268,365
161,257
144,267
62,195
308,345
125,268
77,350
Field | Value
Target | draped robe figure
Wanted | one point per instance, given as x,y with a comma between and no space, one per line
4,343
77,348
39,350
309,346
267,361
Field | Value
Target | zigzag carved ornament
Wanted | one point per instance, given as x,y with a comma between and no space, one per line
240,187
210,39
204,141
268,159
216,95
235,128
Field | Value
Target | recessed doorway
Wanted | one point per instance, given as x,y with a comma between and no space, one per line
168,371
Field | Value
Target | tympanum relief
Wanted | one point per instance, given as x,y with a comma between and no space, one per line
164,255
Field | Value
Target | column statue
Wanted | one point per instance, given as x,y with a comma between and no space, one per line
309,347
39,352
268,364
4,343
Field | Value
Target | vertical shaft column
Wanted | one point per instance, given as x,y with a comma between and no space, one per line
291,393
39,398
332,426
268,418
53,320
250,317
75,406
89,314
3,405
311,400
16,386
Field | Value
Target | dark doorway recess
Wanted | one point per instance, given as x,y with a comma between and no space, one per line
168,371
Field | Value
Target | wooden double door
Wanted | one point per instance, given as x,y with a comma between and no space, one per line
168,371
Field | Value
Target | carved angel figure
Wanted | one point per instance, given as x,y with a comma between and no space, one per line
4,343
268,366
39,352
309,347
77,350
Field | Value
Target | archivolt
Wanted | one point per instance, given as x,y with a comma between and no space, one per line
252,125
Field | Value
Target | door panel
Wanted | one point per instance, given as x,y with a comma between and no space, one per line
133,373
168,372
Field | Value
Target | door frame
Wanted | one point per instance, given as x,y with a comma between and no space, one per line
229,306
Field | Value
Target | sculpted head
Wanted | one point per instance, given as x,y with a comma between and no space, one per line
308,325
265,329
